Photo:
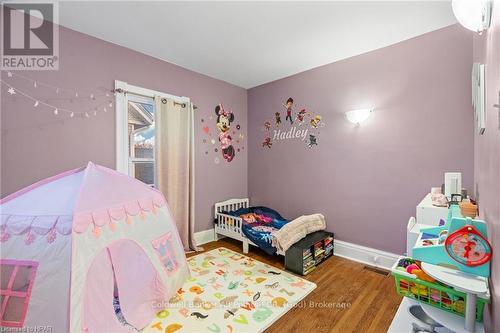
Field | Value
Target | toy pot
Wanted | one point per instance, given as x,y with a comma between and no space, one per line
468,209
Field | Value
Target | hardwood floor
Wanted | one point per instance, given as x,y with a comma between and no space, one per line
348,298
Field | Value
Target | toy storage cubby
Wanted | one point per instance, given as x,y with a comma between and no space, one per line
305,255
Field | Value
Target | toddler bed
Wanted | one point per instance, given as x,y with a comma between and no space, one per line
235,218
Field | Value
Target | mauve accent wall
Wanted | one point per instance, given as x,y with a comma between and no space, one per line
37,144
487,156
367,180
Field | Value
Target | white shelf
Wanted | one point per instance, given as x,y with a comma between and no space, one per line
450,320
473,285
403,320
461,281
428,214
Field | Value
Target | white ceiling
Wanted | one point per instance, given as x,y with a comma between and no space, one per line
251,43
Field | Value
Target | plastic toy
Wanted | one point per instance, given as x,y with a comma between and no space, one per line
468,247
435,295
422,275
411,268
442,236
419,290
461,244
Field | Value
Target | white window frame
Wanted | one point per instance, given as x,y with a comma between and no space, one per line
123,163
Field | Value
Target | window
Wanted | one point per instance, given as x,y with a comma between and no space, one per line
16,279
165,250
135,130
141,138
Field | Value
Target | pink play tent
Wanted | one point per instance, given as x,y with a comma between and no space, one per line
75,244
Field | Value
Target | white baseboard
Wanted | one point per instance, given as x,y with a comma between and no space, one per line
364,255
203,237
354,252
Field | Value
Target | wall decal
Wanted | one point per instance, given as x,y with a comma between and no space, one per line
312,140
288,106
315,121
225,132
304,128
224,120
292,133
300,116
267,142
278,118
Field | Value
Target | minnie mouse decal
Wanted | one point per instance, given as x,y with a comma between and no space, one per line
224,120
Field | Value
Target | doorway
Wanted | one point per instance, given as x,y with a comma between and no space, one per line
125,272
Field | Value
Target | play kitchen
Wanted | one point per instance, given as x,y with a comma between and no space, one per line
444,276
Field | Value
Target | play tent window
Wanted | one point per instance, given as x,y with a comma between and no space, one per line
16,279
165,250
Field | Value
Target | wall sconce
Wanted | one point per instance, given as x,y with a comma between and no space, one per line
474,15
358,116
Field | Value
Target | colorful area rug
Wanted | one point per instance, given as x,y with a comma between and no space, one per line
230,293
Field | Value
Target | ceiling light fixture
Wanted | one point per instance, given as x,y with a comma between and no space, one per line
358,116
474,15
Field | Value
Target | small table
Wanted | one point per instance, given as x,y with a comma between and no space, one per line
472,285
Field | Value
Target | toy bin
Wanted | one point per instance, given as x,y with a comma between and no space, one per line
435,293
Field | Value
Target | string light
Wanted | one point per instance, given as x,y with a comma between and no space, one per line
37,83
36,102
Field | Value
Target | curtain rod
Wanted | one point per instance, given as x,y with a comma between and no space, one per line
123,91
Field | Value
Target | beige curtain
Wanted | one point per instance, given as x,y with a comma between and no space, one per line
175,164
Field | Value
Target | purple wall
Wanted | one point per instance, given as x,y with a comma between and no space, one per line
487,154
36,144
367,180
